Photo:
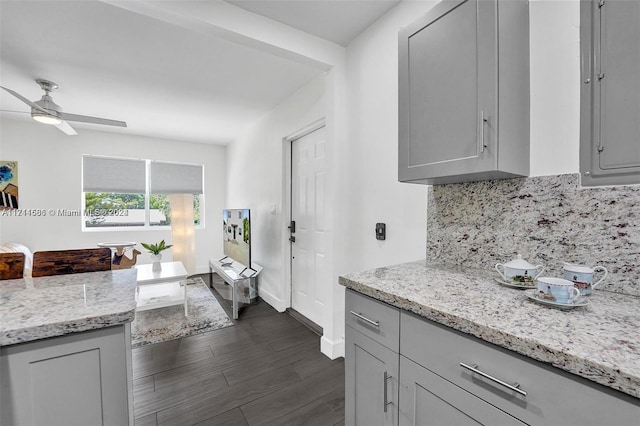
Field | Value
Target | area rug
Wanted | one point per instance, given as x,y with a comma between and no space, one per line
163,324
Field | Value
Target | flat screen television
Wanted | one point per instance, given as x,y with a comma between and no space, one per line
236,236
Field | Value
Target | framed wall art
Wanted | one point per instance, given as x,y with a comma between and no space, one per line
8,185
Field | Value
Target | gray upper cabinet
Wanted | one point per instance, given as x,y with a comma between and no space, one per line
610,92
464,93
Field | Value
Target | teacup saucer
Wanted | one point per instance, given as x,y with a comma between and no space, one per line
520,286
581,301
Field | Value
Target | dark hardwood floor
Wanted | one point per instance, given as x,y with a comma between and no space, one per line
265,370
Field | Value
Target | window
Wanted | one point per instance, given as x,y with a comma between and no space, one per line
120,192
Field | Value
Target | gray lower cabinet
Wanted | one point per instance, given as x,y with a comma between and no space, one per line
511,385
427,399
371,388
371,361
610,92
436,375
79,379
464,93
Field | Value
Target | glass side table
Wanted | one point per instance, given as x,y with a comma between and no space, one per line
241,283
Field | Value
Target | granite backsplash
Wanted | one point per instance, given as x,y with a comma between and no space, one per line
547,219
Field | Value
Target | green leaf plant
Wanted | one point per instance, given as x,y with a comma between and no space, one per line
156,248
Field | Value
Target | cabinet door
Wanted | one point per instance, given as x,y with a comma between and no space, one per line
428,399
371,376
447,89
78,379
610,129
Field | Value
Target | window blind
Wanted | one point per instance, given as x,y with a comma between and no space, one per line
175,178
119,175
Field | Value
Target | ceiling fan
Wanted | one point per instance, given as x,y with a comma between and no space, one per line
48,112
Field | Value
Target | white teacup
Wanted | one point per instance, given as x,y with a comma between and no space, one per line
557,290
582,276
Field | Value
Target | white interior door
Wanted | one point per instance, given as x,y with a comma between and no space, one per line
308,252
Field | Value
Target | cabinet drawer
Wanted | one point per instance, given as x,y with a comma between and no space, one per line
427,399
374,319
552,396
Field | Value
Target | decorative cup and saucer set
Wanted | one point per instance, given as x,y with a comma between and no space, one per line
567,292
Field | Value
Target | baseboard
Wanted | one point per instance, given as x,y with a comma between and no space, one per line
332,349
202,269
275,303
305,321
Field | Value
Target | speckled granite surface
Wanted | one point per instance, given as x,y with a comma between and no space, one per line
600,342
37,308
547,219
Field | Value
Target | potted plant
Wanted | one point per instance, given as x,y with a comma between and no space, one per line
156,251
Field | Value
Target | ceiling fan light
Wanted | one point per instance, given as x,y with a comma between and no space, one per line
46,118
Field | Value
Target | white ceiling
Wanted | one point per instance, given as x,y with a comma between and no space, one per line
339,21
165,80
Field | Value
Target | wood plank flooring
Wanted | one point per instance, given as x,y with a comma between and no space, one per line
265,370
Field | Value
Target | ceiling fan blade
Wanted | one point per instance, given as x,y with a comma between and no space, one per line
10,110
94,120
26,101
65,127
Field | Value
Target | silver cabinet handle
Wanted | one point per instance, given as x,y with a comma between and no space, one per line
363,318
386,378
483,121
515,387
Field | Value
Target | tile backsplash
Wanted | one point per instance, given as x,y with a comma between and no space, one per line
547,219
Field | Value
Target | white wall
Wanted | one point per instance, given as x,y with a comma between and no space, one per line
256,180
374,193
49,167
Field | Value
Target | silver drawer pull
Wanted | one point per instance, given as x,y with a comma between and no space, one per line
515,387
483,122
385,402
363,318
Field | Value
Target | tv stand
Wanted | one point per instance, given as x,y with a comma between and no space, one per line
241,280
225,261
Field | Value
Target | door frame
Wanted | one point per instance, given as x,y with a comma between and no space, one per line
287,143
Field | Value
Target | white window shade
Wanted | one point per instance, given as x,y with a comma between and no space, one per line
119,175
175,178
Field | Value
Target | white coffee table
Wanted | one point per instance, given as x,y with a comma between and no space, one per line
159,289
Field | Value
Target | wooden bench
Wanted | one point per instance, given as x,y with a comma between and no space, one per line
59,262
11,265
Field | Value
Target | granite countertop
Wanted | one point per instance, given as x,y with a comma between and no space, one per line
599,342
38,308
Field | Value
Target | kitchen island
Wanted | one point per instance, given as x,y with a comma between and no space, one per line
598,342
65,348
